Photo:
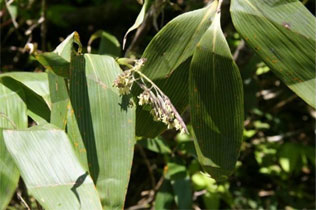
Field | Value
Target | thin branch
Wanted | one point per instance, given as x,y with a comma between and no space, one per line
43,26
151,173
143,29
22,200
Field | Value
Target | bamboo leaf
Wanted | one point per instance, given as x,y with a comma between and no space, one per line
12,115
216,103
282,33
139,20
58,61
165,196
168,58
55,63
107,125
60,100
50,169
109,45
35,88
62,113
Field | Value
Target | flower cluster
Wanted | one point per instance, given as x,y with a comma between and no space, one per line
161,106
124,82
162,110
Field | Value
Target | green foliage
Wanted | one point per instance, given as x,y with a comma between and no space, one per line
71,133
54,176
216,103
283,38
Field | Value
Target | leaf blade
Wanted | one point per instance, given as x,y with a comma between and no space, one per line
107,125
168,57
216,103
282,34
52,174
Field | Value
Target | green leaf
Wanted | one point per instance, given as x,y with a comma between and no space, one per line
66,48
139,20
58,61
60,100
52,172
168,59
289,156
107,125
282,33
9,174
183,192
12,115
58,64
55,63
164,198
35,88
158,145
216,103
109,45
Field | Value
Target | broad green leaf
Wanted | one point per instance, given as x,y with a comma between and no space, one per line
183,192
58,61
12,115
9,175
37,82
55,63
216,103
164,198
158,145
74,135
109,45
282,33
58,65
177,174
107,125
50,168
168,59
35,88
62,113
139,20
60,100
66,48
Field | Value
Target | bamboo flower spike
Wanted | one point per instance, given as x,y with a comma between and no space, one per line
161,107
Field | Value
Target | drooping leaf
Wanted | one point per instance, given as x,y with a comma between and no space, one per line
35,88
109,45
139,20
50,168
107,125
168,59
12,115
216,103
282,33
